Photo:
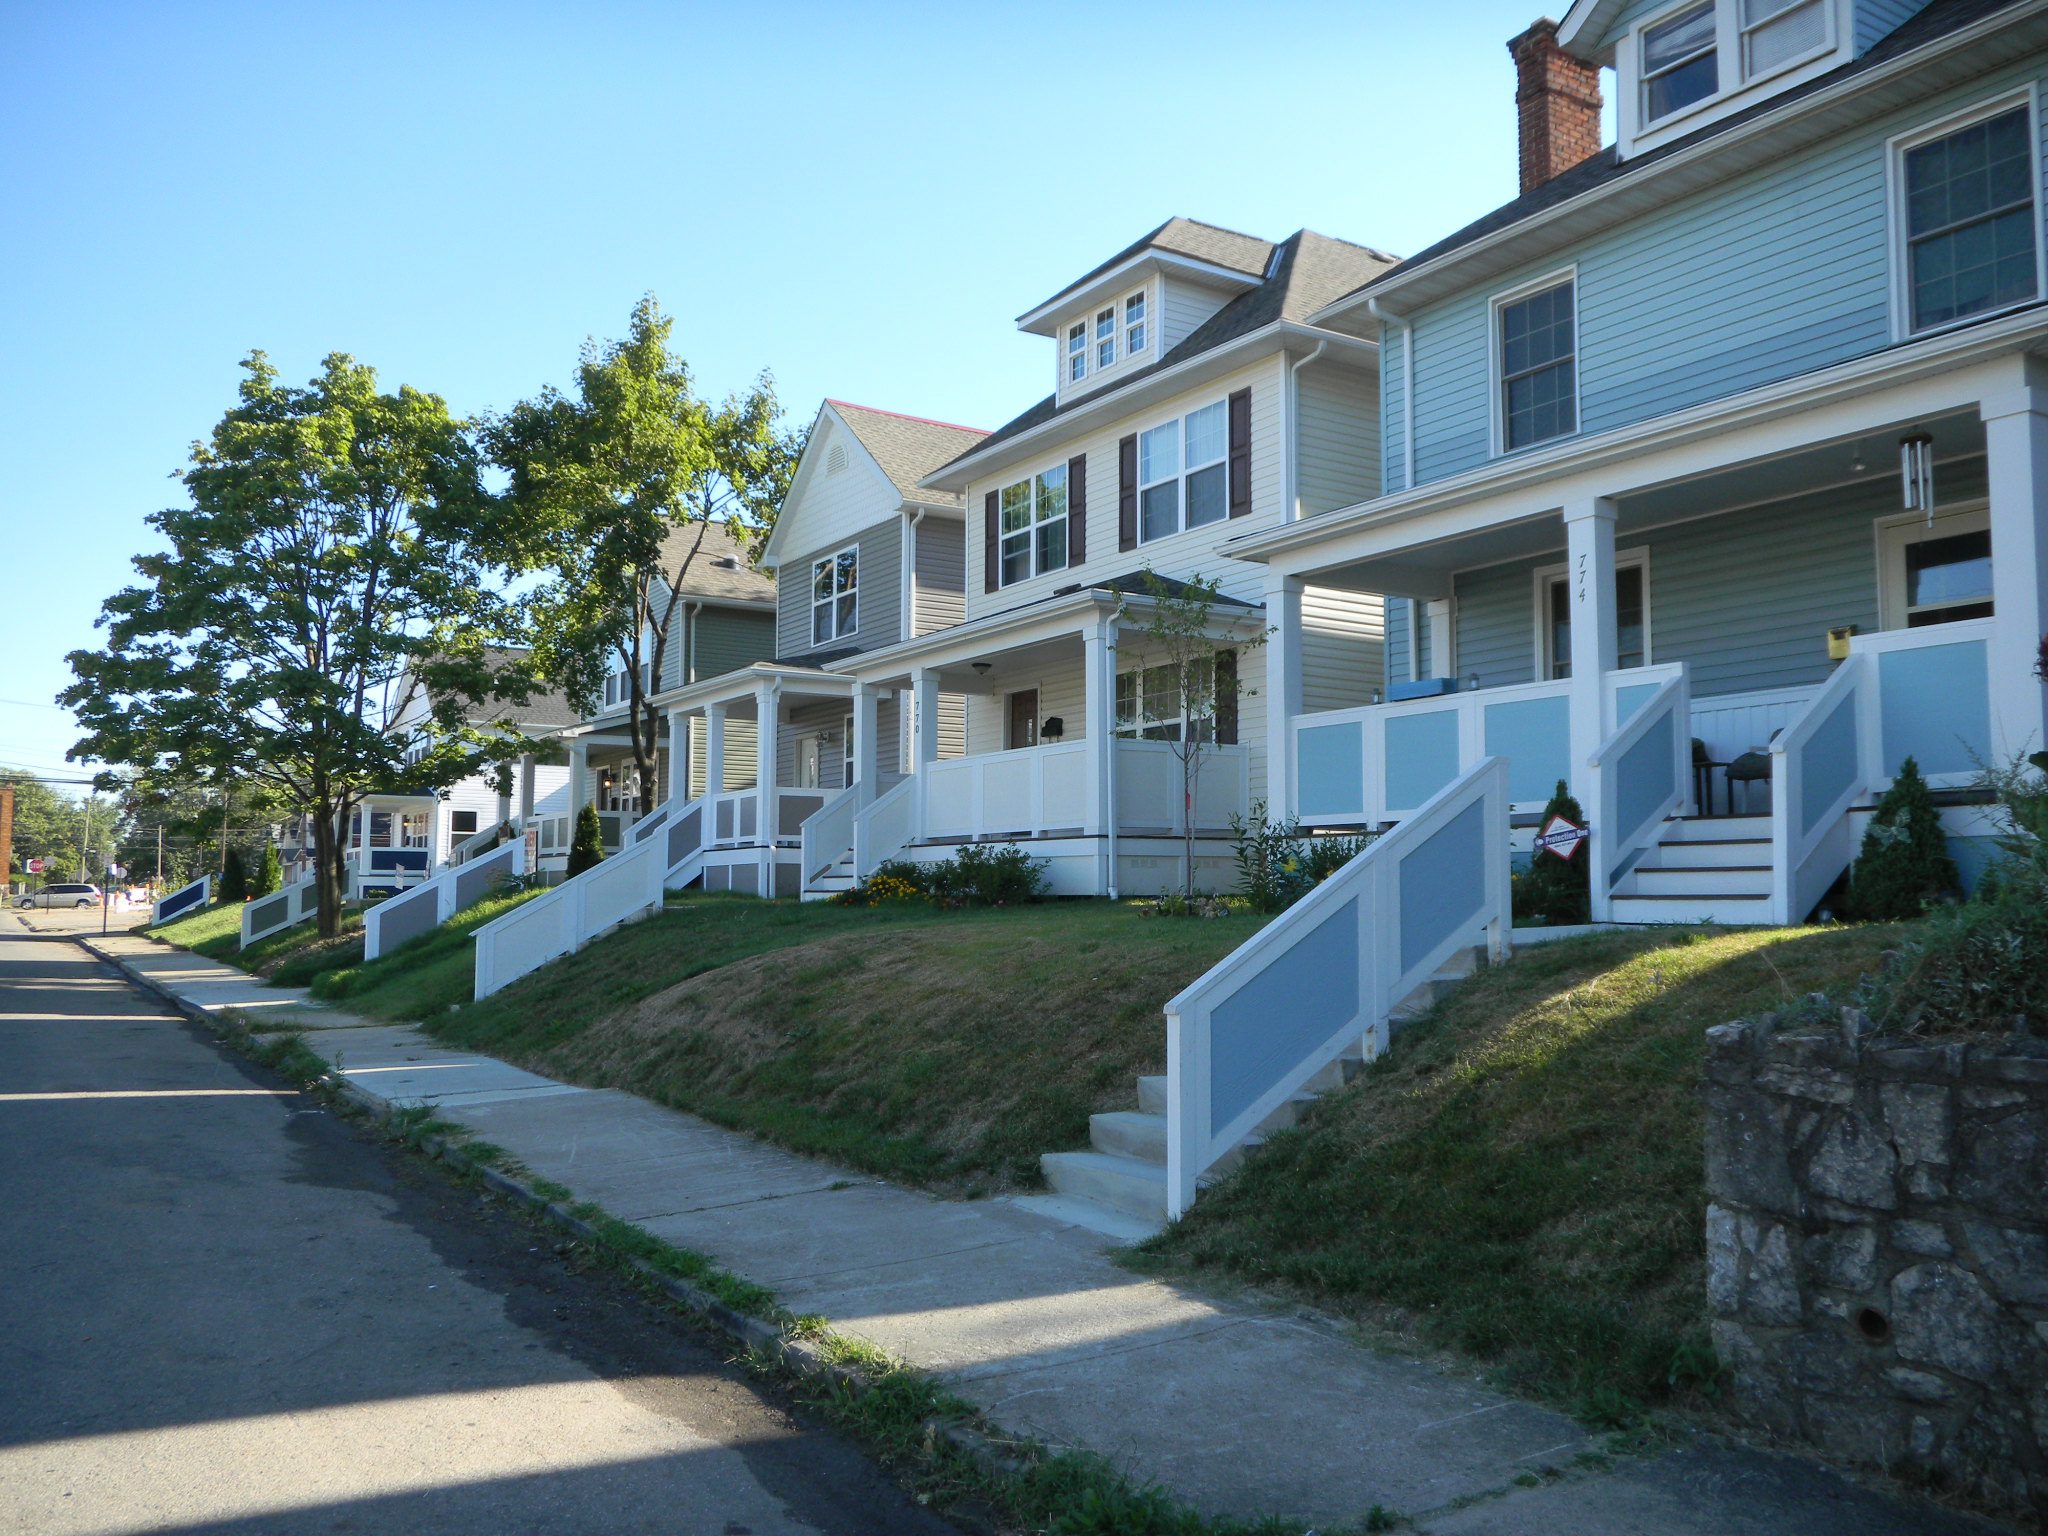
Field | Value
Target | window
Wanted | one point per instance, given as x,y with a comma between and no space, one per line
1149,703
1134,323
1631,615
1539,385
462,823
1105,338
1935,574
1776,32
1077,351
1967,206
835,596
1183,479
1034,525
1679,63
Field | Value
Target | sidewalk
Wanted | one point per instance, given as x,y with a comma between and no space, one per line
1238,1409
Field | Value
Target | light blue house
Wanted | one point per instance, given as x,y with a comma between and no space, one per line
1729,437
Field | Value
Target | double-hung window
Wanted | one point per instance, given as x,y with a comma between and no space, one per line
1538,366
1151,706
1968,206
1631,616
1183,476
1680,62
1776,32
1034,525
835,596
1105,337
1077,351
1134,324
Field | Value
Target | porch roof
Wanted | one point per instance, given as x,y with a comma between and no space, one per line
741,682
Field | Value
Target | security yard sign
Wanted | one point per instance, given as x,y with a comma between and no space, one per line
1561,836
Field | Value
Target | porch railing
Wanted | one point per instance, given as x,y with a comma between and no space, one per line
562,920
884,827
1642,774
281,909
186,898
735,816
1149,793
424,908
1327,973
649,824
828,834
1030,792
480,841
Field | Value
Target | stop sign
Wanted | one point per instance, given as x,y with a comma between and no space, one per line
34,866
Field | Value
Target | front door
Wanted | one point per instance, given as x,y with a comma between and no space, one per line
1023,719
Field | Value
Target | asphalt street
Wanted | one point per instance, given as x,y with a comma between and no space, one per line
225,1309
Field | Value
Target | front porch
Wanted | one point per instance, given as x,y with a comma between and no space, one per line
1791,618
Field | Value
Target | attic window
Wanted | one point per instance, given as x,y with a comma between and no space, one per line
1077,351
835,461
1134,323
1105,338
1680,66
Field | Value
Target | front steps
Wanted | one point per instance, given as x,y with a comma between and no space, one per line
1118,1186
833,881
1710,869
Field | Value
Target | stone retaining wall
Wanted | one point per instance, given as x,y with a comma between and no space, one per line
1877,1247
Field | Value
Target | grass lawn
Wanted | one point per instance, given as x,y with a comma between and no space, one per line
420,979
1520,1178
946,1048
291,958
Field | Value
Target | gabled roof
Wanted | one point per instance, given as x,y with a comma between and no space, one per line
1309,271
1606,169
908,447
719,570
1244,254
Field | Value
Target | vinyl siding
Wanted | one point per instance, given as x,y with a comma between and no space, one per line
740,758
1184,555
1337,437
881,581
1396,619
941,571
826,508
1778,273
812,719
1744,599
1878,19
728,639
1184,307
1342,650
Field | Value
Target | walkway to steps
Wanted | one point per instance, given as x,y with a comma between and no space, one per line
1239,1409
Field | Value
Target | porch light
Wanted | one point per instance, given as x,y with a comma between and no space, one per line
1378,696
1916,473
981,668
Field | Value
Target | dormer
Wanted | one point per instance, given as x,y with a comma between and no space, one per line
1682,64
1129,312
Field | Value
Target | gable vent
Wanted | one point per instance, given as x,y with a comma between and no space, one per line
835,461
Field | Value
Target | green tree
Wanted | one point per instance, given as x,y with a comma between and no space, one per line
586,848
1903,866
1558,890
234,880
46,824
332,536
269,872
609,493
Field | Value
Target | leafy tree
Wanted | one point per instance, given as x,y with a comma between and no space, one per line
1181,645
1559,891
269,872
46,824
610,493
234,880
322,578
586,848
1903,866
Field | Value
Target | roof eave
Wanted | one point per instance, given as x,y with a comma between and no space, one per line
1038,319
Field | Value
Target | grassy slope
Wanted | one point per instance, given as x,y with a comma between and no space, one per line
933,1047
1521,1177
290,958
422,978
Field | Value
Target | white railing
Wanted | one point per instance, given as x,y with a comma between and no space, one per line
480,841
649,824
1641,775
682,840
1025,793
1817,773
1377,763
386,868
883,828
1326,974
186,898
828,835
1149,789
734,816
422,909
561,921
1730,724
284,908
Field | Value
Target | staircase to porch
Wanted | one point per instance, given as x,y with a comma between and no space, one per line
829,882
1701,869
1118,1186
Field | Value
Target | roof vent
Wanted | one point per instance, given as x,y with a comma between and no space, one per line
835,461
727,562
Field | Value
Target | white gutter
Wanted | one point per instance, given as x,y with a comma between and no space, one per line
1109,809
1387,317
911,518
1290,412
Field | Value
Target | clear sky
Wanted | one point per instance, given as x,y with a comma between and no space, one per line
859,197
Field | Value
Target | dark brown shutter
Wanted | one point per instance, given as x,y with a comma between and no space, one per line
1077,509
1226,698
1127,493
1240,452
990,568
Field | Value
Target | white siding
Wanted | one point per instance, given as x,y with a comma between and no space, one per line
825,508
1185,306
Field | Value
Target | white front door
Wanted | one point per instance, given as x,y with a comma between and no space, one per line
807,762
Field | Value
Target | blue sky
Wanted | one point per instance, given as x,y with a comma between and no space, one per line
859,197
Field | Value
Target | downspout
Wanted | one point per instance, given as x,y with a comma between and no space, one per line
1387,317
689,675
911,520
1291,403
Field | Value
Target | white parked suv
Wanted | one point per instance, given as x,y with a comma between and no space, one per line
62,896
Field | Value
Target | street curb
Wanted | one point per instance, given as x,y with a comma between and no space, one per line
756,1335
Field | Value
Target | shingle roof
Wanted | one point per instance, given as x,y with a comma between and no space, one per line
1311,271
1217,246
908,447
1937,20
718,565
543,709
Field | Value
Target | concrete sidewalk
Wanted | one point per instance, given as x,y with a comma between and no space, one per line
1238,1409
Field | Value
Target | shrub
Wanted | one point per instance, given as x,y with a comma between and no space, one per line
1554,892
586,849
269,872
234,880
1272,872
1979,965
1903,866
976,876
1328,854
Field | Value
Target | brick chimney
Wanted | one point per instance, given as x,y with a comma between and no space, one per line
1557,99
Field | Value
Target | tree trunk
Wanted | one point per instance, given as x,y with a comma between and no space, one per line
327,868
1190,767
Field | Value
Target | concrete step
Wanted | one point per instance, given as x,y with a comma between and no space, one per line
1152,1094
1121,1183
1735,911
1152,1103
1715,829
1721,880
1683,854
1129,1133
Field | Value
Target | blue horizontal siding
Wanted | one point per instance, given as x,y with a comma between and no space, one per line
1776,274
1878,19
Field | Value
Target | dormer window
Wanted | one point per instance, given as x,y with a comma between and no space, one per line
1077,351
1775,32
1134,323
1707,54
1680,65
1105,338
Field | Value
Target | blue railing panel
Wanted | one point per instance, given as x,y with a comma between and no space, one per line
1443,883
1283,1013
1330,770
1827,764
1629,698
1422,757
1934,706
1647,777
1535,736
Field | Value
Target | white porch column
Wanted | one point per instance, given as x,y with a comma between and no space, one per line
767,703
1098,675
435,857
1589,543
579,777
867,756
714,754
1436,615
678,756
924,738
2016,446
1283,690
526,789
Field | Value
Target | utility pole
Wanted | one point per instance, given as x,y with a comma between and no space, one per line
159,856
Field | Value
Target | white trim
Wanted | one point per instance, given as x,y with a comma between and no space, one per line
1894,535
1183,470
1637,555
1496,378
1144,325
1895,150
1077,296
1734,85
1076,330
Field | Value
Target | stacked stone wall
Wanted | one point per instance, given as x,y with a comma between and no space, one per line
1877,1247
